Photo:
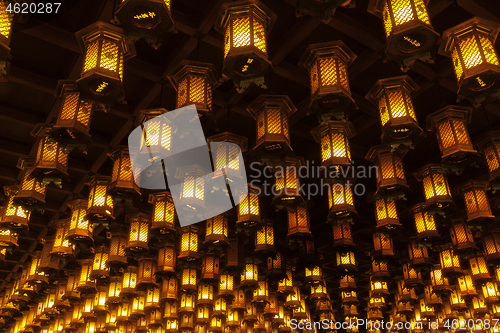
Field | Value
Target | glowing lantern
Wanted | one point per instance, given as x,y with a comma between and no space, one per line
349,297
146,271
431,297
285,286
346,261
271,113
386,213
347,282
71,292
14,216
31,193
490,292
333,136
438,280
205,294
489,145
287,187
479,269
408,30
342,236
216,230
436,189
406,293
378,288
137,309
100,204
382,243
192,193
479,308
298,221
391,176
219,309
189,279
491,245
216,325
169,289
117,247
99,266
5,34
249,209
476,200
340,199
146,19
462,237
397,114
202,314
8,237
239,300
167,259
450,262
170,310
418,254
129,281
105,50
138,236
210,267
245,25
313,275
233,318
411,276
424,223
319,291
189,243
187,302
194,82
426,310
250,276
293,299
114,290
85,282
327,66
264,238
171,326
466,285
100,300
80,227
122,182
471,47
163,216
226,285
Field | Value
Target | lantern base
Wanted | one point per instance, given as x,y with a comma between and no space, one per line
102,89
332,106
478,86
70,138
30,203
403,134
245,69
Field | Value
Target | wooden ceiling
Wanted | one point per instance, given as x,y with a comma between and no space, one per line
45,52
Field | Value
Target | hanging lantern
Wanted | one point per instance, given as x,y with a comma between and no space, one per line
13,216
167,259
285,286
71,293
31,193
189,243
226,285
187,302
346,261
319,291
313,275
168,289
489,145
479,269
438,280
271,113
100,204
118,243
476,200
192,192
491,245
202,314
219,309
129,281
382,243
114,290
122,182
163,216
436,189
397,114
100,300
490,292
432,298
210,267
287,186
408,29
347,283
205,294
8,237
264,238
298,221
235,255
261,294
85,282
327,65
333,136
349,297
250,276
450,262
239,300
411,276
418,254
479,307
105,50
146,272
391,177
461,237
378,288
342,236
146,19
138,236
386,213
80,227
245,25
189,279
405,293
170,310
471,47
340,200
249,209
99,266
216,230
466,285
194,82
424,223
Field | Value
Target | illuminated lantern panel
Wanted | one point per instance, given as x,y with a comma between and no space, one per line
478,268
105,48
431,297
250,275
391,176
122,182
462,237
187,302
6,21
406,293
189,279
466,285
489,145
226,149
14,216
408,30
146,271
168,289
189,243
319,291
51,163
313,275
342,235
138,235
210,267
117,246
192,193
85,282
471,47
261,294
438,281
226,285
129,281
346,261
100,204
298,220
491,245
412,277
156,138
418,254
378,288
333,136
450,262
202,314
327,65
114,290
167,259
80,228
382,243
99,266
349,297
347,282
245,26
146,19
205,294
31,193
249,209
424,223
287,186
340,199
220,308
490,292
271,114
163,216
285,286
436,189
386,213
397,114
476,200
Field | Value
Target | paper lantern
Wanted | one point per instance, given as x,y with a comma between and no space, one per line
418,254
489,145
466,285
327,65
189,243
216,230
471,47
51,163
100,203
129,281
461,236
346,261
411,276
478,268
167,259
85,282
391,177
491,245
194,82
386,213
245,25
333,136
99,266
80,228
450,262
382,243
122,182
189,279
438,280
264,238
408,29
146,271
476,200
226,285
210,267
117,245
163,215
14,216
105,49
424,223
298,221
31,193
138,235
287,185
397,114
149,19
342,236
340,199
249,209
271,114
250,276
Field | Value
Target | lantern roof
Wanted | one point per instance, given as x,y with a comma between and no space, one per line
186,67
75,204
334,48
376,151
473,184
475,25
118,151
138,215
263,101
333,125
420,207
402,82
449,111
149,114
243,5
230,137
491,136
426,170
10,190
97,178
376,7
159,195
65,86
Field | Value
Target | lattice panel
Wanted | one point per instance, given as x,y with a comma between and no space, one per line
291,178
461,231
143,232
461,132
109,56
402,11
63,157
470,52
457,62
489,50
91,55
6,19
97,196
383,107
381,209
125,169
188,187
339,145
386,15
422,11
197,89
274,121
420,223
152,129
167,3
84,112
285,127
428,187
397,104
482,201
328,71
344,80
492,157
387,167
166,136
441,186
446,134
261,128
69,106
313,74
259,36
241,31
49,150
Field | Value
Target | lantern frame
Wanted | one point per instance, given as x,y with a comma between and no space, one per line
287,182
382,243
461,236
491,246
100,203
189,243
450,262
335,133
79,228
435,185
122,183
340,200
476,200
13,215
391,177
342,235
139,224
30,193
298,221
386,213
489,145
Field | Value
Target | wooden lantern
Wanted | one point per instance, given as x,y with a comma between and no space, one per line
188,280
250,275
239,300
293,299
5,34
216,230
327,65
478,268
137,309
205,294
342,236
462,237
261,294
424,223
333,136
192,192
313,275
31,193
249,209
105,49
245,25
271,113
418,253
85,282
489,145
298,221
431,297
340,199
491,245
318,292
450,262
14,216
51,163
71,293
100,268
227,159
114,290
8,237
149,19
264,238
220,308
138,235
438,280
386,213
146,271
226,285
466,285
170,310
80,228
210,267
163,216
169,289
100,203
382,243
167,259
122,182
189,243
187,302
349,297
471,47
412,277
436,189
405,293
285,286
391,175
476,200
117,246
202,314
346,261
194,82
397,114
235,255
287,185
408,30
129,281
490,292
347,282
100,300
450,125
